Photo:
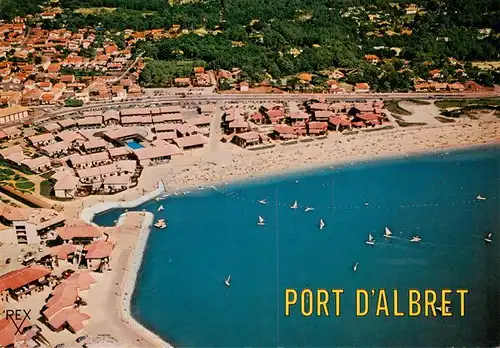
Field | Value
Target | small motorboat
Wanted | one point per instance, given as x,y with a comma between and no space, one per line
309,209
160,208
415,239
227,281
263,201
294,205
371,240
480,198
355,268
160,224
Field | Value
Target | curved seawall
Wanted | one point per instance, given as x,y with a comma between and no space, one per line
89,212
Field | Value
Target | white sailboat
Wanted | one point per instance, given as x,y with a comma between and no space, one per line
261,221
309,209
263,201
415,239
321,224
295,205
355,268
160,208
387,233
370,240
488,236
480,198
447,309
227,281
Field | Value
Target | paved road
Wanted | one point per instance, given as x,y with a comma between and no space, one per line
239,98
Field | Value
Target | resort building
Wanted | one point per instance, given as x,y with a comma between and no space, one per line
63,252
238,125
20,333
66,186
166,127
56,150
90,122
41,139
201,121
20,283
78,232
155,155
339,122
168,118
96,174
13,114
67,123
71,137
119,153
191,142
37,165
96,145
111,117
97,255
91,160
12,132
62,308
322,115
284,132
28,225
51,127
317,128
247,139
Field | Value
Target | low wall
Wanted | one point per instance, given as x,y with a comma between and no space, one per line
89,212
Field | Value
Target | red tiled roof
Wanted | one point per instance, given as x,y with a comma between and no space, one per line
21,277
98,249
78,229
62,251
9,331
368,116
72,316
283,129
339,120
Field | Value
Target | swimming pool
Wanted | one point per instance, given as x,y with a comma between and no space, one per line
133,144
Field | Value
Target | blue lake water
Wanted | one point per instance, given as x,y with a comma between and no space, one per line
134,144
181,295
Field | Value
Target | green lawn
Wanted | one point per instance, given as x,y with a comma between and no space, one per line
460,103
25,185
10,178
46,188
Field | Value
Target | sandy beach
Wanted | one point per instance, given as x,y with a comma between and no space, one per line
221,163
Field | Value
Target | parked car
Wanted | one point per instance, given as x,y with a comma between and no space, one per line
7,261
81,338
60,345
67,273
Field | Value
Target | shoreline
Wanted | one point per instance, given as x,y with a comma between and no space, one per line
306,168
130,279
186,180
